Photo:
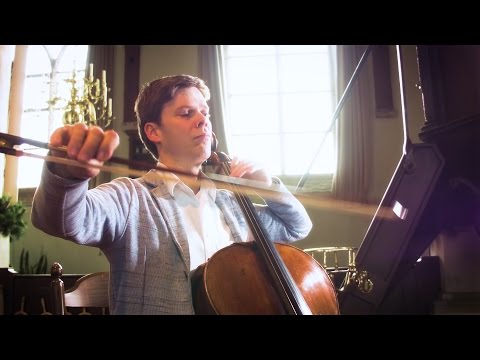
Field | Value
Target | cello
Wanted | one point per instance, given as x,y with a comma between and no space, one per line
260,277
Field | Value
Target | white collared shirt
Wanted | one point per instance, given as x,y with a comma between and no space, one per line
205,224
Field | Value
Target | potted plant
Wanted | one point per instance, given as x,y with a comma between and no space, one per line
12,226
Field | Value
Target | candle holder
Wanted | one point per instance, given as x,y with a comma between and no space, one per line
89,104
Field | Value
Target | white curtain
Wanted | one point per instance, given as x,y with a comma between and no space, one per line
354,128
211,70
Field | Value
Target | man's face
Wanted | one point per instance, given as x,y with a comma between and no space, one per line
185,130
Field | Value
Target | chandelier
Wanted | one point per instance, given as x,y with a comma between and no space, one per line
89,103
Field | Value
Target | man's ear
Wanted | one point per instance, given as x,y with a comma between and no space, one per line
153,132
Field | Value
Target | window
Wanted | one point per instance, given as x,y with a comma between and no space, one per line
279,102
47,68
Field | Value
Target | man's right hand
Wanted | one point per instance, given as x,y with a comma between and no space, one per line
90,145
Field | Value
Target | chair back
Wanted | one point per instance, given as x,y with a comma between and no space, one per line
89,291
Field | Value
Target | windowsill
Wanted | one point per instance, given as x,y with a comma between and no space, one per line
314,184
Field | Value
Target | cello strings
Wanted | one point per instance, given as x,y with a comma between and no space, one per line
292,295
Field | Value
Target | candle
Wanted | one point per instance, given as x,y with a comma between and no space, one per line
104,77
110,107
90,73
104,92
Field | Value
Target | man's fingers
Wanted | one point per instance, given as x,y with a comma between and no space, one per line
88,150
86,143
78,135
90,145
60,136
110,142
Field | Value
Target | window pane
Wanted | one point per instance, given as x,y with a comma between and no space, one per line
305,72
262,149
303,112
280,99
37,61
301,150
252,75
253,114
53,51
29,170
39,118
297,49
36,93
34,125
248,50
75,58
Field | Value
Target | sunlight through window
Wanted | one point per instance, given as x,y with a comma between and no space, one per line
279,104
47,68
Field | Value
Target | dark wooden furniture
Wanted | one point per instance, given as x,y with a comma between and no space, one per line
29,294
444,199
88,295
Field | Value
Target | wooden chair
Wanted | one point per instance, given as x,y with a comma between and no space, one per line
90,291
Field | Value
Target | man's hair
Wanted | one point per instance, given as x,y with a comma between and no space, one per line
154,95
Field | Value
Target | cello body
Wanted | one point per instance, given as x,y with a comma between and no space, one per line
236,281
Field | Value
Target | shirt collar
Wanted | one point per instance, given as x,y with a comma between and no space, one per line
171,181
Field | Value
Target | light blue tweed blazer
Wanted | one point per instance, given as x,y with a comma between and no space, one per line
138,226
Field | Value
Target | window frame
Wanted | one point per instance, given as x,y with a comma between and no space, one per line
54,76
317,182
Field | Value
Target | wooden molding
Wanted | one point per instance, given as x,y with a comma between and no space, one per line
132,79
383,83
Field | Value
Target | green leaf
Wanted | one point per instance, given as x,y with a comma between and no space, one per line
12,221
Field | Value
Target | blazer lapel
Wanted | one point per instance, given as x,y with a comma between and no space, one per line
171,213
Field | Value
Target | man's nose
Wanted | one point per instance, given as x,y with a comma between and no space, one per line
201,120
